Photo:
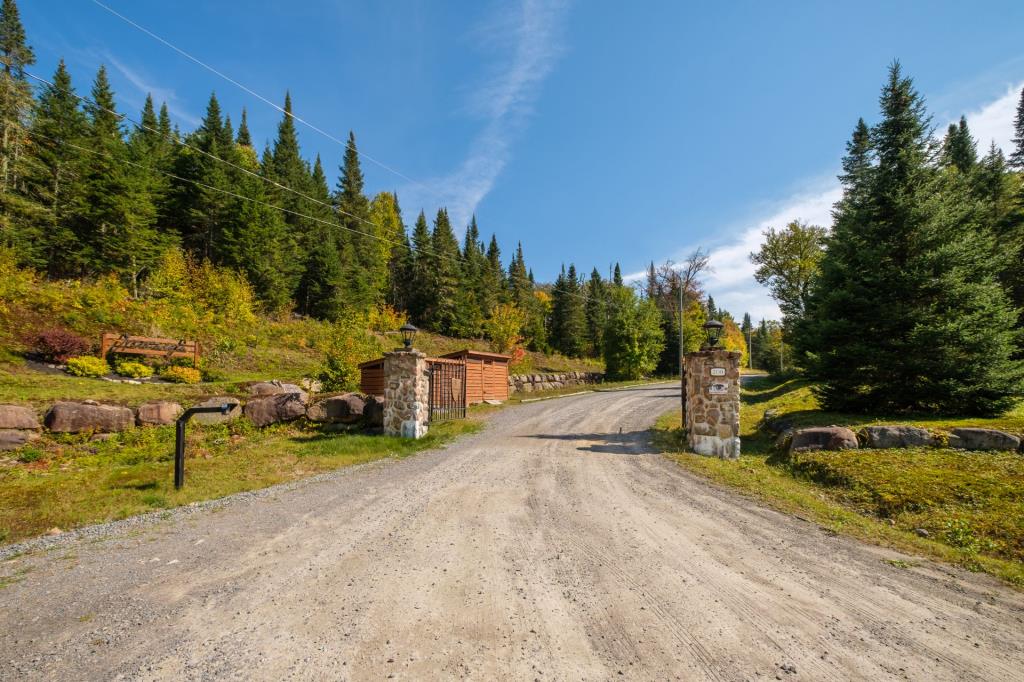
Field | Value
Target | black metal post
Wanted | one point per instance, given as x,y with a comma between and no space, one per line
179,438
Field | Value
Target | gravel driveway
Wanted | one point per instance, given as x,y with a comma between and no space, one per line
553,545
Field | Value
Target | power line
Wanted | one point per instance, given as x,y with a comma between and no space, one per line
255,94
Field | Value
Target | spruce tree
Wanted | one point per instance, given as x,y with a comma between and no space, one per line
712,310
495,272
1016,160
285,166
19,215
568,317
118,222
244,139
596,313
400,267
421,295
59,129
364,263
908,313
321,286
445,277
617,277
959,149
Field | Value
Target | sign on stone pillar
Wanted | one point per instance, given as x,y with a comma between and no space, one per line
713,403
406,393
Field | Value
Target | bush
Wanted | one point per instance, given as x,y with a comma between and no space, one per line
133,369
182,375
88,366
350,344
57,344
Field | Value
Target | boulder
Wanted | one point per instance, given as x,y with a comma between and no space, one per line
373,412
262,389
883,437
158,413
823,438
311,385
347,408
18,417
217,417
72,417
283,407
982,439
12,439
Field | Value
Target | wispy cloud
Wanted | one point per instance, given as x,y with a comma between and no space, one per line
144,87
732,280
529,38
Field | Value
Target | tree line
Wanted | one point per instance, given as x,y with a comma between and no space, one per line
86,191
913,300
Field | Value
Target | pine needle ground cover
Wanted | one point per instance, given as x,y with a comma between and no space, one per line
970,505
68,481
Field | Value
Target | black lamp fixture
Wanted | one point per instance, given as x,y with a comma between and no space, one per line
408,334
713,331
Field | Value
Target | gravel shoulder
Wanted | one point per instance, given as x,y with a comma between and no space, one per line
553,545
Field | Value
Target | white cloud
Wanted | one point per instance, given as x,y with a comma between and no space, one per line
994,121
160,95
530,35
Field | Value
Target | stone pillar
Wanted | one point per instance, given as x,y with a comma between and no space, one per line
713,403
406,393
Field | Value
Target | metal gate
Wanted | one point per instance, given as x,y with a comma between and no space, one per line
447,389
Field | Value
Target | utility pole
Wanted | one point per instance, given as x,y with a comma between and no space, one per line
750,347
682,359
782,357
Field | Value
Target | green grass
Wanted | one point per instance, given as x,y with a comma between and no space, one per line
970,505
73,482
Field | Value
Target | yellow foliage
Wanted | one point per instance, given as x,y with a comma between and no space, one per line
384,319
182,375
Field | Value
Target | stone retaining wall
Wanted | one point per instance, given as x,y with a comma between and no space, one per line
528,383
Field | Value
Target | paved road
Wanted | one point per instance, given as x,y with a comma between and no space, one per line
547,547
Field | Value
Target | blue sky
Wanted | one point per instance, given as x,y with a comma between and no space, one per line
592,131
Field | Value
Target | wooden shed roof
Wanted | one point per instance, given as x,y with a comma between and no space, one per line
469,353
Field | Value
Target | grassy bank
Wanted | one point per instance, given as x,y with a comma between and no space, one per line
70,481
969,506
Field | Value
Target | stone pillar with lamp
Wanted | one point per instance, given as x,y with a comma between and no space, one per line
406,389
713,397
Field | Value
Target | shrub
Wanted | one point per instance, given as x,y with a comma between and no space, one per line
88,366
182,375
57,344
133,369
350,344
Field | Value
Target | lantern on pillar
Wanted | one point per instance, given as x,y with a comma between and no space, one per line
408,334
713,332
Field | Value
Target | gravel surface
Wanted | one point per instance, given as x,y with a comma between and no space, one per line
553,545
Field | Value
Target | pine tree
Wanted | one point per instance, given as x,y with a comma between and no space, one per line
712,310
596,313
58,131
386,220
421,295
568,318
494,274
617,277
959,150
117,224
445,277
908,313
1016,160
19,216
400,267
321,285
363,262
244,139
519,283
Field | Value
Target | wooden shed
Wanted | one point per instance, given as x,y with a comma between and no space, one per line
371,377
486,374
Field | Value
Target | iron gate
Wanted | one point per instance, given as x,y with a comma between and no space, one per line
447,389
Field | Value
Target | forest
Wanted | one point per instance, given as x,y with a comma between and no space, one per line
88,192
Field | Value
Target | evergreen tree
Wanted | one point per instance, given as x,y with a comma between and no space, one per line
617,277
420,293
58,129
519,282
117,222
364,263
400,267
959,149
443,315
19,216
908,312
494,274
712,310
321,286
596,313
568,318
1016,160
244,139
386,220
633,337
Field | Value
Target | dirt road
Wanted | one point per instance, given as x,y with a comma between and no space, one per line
547,547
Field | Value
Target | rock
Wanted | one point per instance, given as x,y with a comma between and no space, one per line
982,439
921,532
283,407
71,417
897,437
373,411
18,417
158,413
347,408
54,531
823,438
264,388
311,385
217,417
12,439
492,401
